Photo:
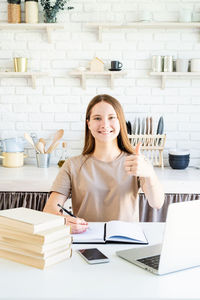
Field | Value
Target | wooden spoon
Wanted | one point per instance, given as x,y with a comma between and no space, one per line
40,147
30,140
41,140
57,137
52,147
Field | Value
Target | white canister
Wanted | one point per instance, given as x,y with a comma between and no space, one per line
182,65
195,65
31,11
168,63
157,63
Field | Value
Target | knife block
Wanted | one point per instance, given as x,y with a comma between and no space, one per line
152,146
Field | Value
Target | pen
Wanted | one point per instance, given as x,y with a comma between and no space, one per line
65,210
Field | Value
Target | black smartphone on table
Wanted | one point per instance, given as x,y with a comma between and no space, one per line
93,256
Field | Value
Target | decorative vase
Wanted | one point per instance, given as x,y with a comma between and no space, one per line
50,11
50,16
50,20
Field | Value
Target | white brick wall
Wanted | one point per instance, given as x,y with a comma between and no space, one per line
59,102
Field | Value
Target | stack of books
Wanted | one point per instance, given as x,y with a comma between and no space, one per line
33,237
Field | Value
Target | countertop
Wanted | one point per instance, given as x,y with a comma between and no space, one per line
30,178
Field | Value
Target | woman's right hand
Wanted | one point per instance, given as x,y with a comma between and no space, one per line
78,225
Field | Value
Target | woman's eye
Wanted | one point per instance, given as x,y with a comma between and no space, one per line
97,118
113,117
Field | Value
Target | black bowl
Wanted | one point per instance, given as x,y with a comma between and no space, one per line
179,157
179,164
178,160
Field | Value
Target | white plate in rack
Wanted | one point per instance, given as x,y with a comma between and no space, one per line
143,130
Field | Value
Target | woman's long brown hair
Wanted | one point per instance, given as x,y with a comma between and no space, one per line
122,139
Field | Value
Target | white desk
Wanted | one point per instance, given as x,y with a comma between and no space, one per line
75,279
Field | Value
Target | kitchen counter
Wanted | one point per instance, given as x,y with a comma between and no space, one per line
32,179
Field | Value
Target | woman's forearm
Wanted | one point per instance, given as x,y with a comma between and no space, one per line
153,191
51,204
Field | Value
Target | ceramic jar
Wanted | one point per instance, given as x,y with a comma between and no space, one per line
14,11
13,159
31,11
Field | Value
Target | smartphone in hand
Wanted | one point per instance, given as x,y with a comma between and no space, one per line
93,256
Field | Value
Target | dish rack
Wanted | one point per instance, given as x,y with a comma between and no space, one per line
152,146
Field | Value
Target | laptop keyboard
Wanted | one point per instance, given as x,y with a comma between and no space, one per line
151,261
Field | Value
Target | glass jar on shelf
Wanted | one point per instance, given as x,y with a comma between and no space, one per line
64,155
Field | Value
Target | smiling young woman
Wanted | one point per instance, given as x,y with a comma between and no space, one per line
99,103
105,179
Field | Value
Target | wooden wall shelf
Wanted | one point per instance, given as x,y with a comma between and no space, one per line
32,75
175,25
49,27
165,75
84,75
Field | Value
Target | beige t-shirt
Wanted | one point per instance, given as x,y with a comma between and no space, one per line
100,191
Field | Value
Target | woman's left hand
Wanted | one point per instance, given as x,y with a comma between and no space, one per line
138,165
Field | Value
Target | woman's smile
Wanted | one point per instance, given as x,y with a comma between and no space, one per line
105,132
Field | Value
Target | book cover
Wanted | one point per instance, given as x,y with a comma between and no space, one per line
30,220
39,249
39,263
44,255
44,237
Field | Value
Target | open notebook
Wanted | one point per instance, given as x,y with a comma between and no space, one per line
112,231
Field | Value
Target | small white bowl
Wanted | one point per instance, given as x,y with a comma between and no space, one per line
179,151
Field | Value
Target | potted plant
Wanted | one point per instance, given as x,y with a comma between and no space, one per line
51,10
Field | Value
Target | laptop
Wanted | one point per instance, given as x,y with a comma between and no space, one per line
180,248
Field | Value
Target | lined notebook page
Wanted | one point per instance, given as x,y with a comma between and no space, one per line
95,233
124,230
